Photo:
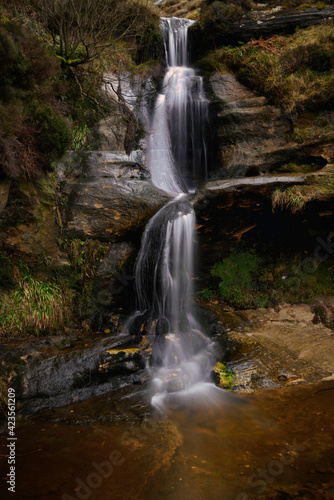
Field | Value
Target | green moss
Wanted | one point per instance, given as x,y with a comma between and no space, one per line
253,279
239,275
225,375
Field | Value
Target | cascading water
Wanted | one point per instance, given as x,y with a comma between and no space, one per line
177,151
177,158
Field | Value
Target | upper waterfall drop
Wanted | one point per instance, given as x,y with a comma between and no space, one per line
175,34
177,150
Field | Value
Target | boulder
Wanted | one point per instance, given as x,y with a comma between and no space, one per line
108,196
55,371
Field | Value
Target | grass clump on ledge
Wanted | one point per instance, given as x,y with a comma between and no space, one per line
84,257
34,307
296,197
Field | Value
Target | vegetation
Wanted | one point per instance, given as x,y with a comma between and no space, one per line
34,306
39,300
295,72
296,197
249,279
225,375
182,8
84,257
53,56
239,279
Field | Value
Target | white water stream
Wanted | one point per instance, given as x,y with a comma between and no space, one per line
177,152
181,359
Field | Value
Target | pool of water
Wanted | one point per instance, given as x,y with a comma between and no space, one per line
275,443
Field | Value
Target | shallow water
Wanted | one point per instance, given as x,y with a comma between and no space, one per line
273,444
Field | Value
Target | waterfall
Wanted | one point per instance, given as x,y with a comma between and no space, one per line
164,270
177,151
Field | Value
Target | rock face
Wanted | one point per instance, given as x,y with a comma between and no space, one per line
271,22
323,310
252,136
109,197
28,223
128,99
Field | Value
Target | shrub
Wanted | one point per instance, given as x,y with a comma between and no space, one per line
216,15
53,133
312,56
249,280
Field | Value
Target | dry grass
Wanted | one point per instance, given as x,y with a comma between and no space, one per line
296,197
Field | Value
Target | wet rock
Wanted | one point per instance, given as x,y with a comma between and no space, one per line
121,361
60,373
273,347
108,197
